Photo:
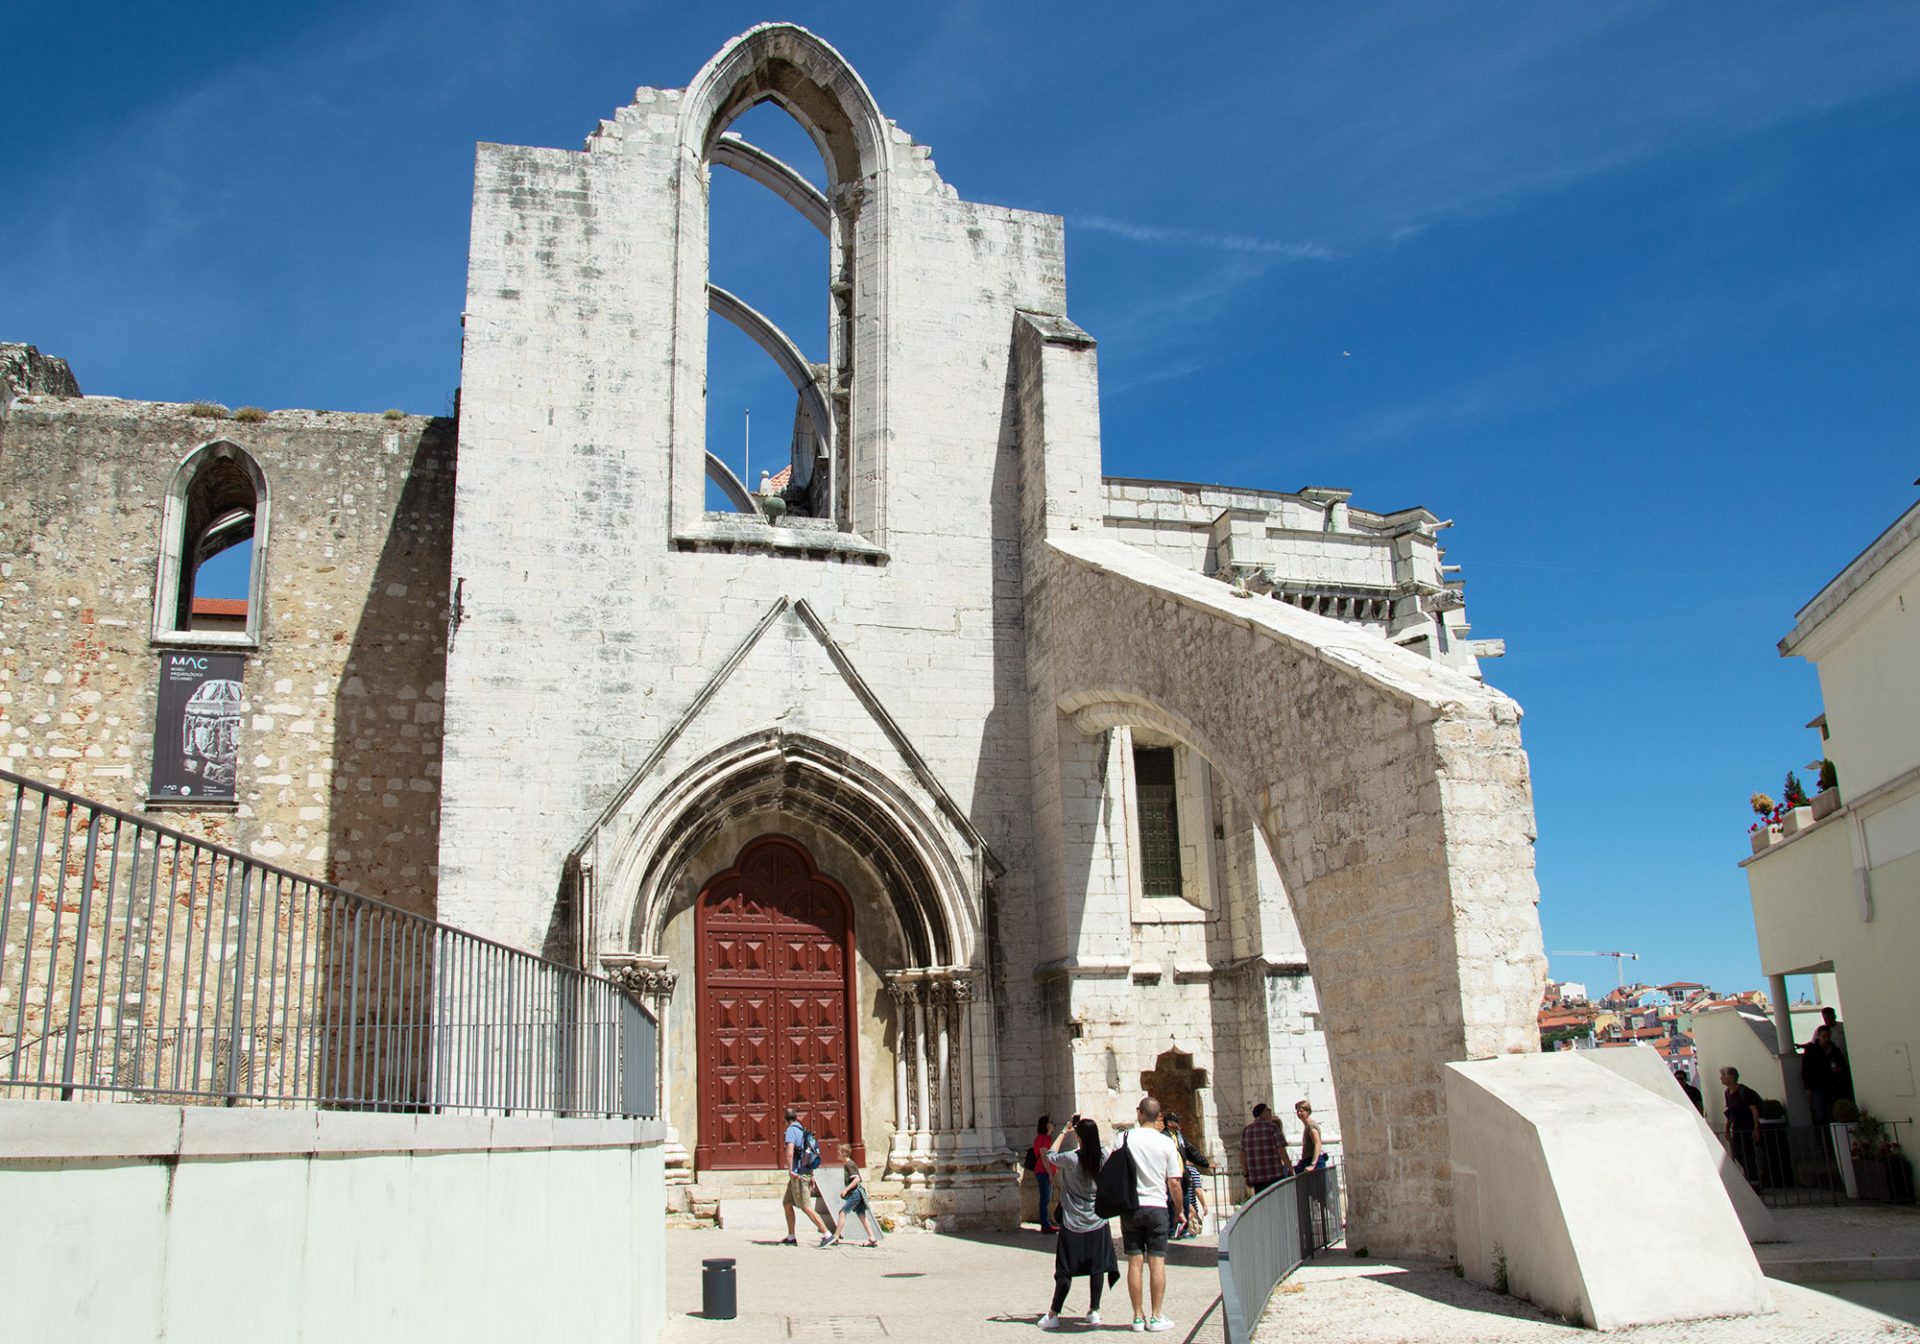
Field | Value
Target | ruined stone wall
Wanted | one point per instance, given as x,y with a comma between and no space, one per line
595,614
340,736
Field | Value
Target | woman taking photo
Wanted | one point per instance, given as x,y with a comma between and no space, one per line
1085,1241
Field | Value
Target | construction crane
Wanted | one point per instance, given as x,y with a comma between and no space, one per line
1620,960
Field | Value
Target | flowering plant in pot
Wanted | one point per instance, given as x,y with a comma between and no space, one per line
1878,1164
1764,830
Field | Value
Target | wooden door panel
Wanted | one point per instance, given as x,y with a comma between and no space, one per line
774,960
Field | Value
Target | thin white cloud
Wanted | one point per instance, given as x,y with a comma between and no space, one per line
1202,238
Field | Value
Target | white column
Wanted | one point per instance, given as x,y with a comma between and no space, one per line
902,1029
943,1091
923,1118
963,1007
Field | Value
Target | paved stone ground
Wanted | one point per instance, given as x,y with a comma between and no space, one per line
1858,1241
916,1286
953,1289
1354,1301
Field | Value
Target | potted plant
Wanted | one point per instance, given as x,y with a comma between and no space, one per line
1827,801
1796,809
1766,830
1880,1168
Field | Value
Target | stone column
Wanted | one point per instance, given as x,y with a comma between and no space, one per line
943,1091
923,1117
902,1030
963,1002
653,984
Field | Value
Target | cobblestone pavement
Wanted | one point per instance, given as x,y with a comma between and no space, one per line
957,1289
1367,1302
1854,1241
916,1286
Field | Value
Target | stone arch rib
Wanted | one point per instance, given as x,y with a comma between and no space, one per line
730,485
781,349
777,176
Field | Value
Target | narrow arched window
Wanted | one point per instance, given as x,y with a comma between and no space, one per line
781,110
212,571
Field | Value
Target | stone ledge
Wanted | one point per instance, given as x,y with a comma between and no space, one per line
36,1131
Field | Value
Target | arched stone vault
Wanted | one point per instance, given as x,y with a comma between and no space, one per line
1392,792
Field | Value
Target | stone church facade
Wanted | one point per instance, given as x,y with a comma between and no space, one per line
955,783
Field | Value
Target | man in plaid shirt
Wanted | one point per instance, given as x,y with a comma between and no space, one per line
1263,1150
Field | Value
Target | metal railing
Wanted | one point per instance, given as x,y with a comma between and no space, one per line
1798,1166
1270,1236
141,963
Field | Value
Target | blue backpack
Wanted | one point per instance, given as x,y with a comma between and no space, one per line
809,1159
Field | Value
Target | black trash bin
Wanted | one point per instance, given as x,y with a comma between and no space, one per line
717,1298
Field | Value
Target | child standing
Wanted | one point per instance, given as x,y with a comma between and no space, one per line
853,1199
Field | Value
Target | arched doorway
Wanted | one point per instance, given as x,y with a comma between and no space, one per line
775,999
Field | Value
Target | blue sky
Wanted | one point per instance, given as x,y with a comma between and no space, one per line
1628,291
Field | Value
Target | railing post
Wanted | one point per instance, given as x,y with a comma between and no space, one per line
75,990
239,970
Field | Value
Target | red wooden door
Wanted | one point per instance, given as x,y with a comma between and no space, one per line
774,1000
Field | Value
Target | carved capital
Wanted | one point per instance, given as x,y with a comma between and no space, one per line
961,987
644,982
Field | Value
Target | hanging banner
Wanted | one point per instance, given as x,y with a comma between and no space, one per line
196,728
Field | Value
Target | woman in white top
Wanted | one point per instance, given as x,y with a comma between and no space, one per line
1085,1241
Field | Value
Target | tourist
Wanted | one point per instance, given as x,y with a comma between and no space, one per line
1832,1019
1143,1233
1742,1123
1824,1074
1036,1153
1263,1150
1085,1243
1693,1093
1193,1208
794,1158
1313,1153
853,1199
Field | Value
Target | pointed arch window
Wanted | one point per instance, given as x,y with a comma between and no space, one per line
825,458
211,581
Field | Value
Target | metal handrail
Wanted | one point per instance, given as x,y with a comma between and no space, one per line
1270,1236
139,962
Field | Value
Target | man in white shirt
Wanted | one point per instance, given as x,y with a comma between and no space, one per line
1143,1233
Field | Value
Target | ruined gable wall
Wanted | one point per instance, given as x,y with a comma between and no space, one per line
339,746
589,630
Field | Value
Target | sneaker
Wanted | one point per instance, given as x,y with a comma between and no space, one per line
1093,1318
1049,1322
1159,1323
787,1241
1139,1322
826,1240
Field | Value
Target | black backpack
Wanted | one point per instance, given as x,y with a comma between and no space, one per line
1116,1194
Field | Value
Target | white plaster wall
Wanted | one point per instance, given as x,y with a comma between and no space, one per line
1866,653
1807,913
155,1222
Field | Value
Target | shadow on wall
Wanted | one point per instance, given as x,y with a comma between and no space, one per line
385,820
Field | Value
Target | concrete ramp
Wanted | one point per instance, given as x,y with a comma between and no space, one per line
1648,1070
1589,1195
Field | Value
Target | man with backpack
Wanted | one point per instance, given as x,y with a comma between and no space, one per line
1155,1163
800,1155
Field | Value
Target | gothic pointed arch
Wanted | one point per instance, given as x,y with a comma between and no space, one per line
839,444
927,886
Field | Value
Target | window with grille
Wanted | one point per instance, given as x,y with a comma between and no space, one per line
1154,789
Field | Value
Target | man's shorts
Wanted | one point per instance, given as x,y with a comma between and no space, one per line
1144,1232
798,1194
